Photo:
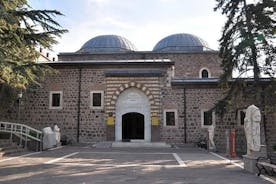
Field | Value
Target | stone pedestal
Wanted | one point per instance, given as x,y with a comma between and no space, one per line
250,163
251,160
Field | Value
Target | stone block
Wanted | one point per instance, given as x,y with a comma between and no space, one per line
250,163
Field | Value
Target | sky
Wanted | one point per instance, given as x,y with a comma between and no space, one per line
143,22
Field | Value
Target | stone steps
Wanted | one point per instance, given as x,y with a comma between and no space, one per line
5,142
8,148
140,145
185,145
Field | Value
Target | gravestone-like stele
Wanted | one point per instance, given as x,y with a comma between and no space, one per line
252,129
49,139
211,132
57,133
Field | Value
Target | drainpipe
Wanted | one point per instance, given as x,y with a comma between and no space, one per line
79,101
185,115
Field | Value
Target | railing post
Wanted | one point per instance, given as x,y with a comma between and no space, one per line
21,135
26,138
11,133
41,142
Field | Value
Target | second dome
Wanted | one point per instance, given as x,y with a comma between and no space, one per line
182,42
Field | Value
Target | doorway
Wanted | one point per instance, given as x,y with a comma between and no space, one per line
132,126
132,116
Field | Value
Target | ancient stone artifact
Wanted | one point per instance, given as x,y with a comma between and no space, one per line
49,139
57,133
252,129
211,132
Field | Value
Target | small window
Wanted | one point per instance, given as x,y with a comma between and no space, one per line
207,118
96,99
170,117
204,74
55,100
241,116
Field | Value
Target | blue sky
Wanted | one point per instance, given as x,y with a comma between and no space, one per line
143,22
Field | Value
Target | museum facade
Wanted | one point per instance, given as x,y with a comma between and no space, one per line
109,91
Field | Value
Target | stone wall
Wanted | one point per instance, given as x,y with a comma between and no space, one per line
173,99
92,121
35,110
271,131
186,64
36,113
196,101
189,65
227,122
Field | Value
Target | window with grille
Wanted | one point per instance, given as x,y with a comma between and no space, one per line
170,117
96,99
207,118
55,100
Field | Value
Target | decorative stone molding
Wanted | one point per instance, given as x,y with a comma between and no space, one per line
130,85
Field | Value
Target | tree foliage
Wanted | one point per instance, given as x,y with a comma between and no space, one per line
247,47
22,31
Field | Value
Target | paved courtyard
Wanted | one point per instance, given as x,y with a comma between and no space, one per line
87,165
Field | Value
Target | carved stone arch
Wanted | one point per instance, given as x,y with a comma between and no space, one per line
131,84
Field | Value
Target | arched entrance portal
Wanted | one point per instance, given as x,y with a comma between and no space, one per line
132,116
132,126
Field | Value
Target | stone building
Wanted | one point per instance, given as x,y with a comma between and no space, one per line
109,91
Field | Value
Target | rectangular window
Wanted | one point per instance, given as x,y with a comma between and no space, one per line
170,117
241,116
96,99
55,100
207,118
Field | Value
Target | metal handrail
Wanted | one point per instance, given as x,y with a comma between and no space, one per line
24,131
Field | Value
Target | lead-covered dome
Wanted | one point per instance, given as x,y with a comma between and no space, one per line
107,44
181,43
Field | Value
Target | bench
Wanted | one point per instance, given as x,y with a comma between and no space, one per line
268,165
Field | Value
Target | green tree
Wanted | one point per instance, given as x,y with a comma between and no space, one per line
247,46
22,31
